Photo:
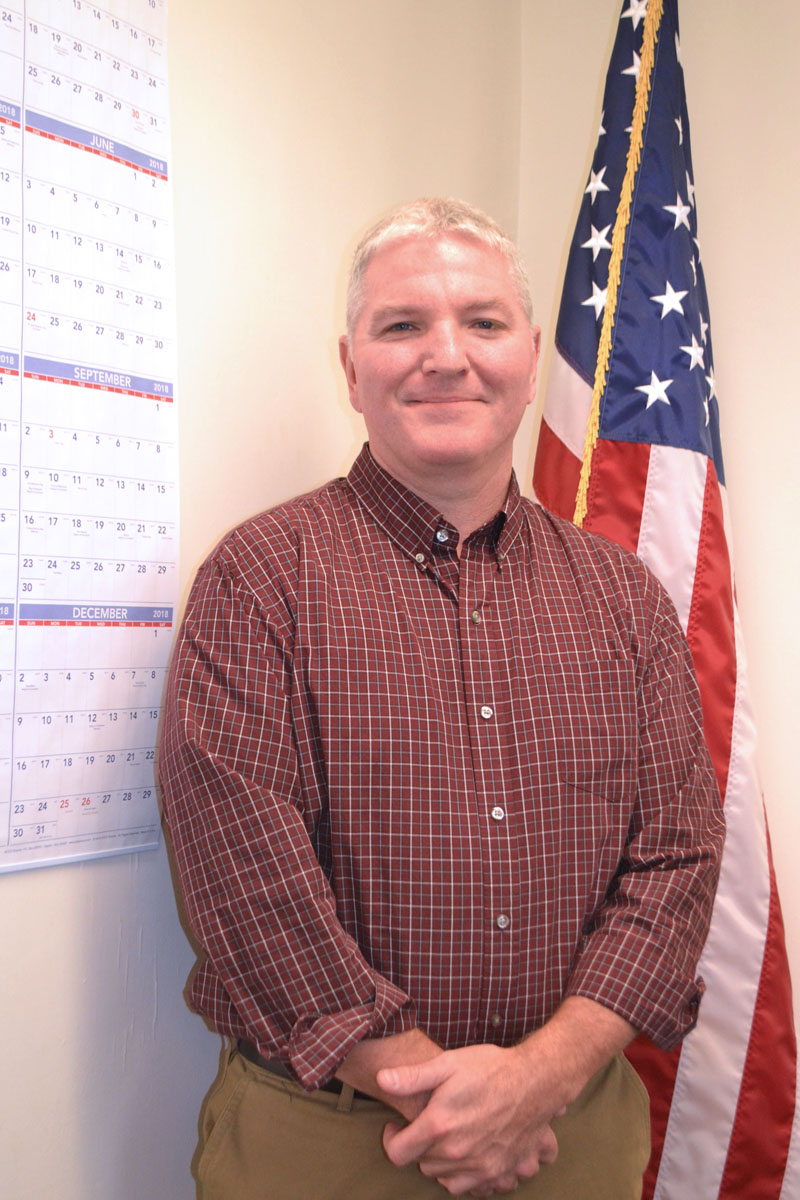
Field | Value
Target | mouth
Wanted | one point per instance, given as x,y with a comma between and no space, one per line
444,400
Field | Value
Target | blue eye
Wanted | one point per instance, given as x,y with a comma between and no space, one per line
485,323
400,327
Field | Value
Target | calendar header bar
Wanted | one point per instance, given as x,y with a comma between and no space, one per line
10,112
81,375
87,139
118,615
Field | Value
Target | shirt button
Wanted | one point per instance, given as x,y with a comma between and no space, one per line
503,921
486,712
442,535
498,813
420,558
475,617
495,1020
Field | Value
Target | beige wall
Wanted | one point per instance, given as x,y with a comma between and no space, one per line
293,125
290,135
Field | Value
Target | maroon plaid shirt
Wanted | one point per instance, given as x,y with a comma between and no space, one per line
404,788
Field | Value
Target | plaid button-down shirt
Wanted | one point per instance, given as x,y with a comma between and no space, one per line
407,788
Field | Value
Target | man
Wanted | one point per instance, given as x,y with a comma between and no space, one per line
434,776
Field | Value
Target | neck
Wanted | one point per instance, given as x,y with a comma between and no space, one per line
467,499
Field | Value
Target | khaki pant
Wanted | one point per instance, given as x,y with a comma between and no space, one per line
264,1138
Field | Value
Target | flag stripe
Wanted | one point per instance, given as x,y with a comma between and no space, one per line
659,1070
713,1057
765,1112
569,418
671,519
711,635
556,468
791,1179
617,488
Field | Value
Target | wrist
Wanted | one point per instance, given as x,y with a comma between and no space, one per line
579,1039
362,1064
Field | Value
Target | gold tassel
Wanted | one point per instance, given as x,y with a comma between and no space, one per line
652,22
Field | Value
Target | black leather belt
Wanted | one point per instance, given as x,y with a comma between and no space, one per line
276,1066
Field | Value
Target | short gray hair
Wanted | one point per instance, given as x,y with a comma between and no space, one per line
428,217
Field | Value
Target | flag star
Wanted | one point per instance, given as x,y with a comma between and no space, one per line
707,409
596,184
602,128
656,389
679,123
670,301
597,242
689,190
633,69
680,210
678,54
695,240
703,330
693,265
695,352
636,11
712,383
597,298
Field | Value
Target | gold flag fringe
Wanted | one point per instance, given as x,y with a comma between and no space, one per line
652,22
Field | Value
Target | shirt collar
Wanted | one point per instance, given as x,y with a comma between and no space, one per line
415,525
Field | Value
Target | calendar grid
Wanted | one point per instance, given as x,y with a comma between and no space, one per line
88,428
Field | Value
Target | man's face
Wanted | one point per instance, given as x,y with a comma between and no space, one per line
442,360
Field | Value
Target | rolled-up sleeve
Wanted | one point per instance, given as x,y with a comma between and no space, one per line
279,967
640,949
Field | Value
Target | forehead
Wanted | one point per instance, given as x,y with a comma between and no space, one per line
452,265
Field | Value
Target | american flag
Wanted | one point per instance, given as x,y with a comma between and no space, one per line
634,366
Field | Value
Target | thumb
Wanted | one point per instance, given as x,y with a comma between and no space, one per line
418,1077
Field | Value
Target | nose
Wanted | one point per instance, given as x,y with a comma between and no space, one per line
444,350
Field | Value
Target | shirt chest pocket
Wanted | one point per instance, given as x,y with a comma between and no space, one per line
584,725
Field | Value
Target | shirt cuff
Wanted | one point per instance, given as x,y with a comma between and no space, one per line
319,1042
665,1012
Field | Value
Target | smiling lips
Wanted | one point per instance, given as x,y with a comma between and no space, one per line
442,399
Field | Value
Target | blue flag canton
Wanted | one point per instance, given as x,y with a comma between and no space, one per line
660,387
586,277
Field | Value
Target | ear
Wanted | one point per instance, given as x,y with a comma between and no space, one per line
536,335
346,359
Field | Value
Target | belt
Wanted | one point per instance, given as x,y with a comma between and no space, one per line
276,1066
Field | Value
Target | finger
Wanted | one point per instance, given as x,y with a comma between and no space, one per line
406,1145
471,1185
548,1151
465,1185
418,1077
390,1132
504,1185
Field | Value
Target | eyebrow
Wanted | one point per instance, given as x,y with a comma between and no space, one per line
396,312
493,302
392,312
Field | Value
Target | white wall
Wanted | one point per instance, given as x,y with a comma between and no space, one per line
294,124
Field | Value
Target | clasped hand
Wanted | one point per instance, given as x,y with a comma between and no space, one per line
485,1126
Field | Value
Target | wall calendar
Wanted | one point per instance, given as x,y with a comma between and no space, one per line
88,430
